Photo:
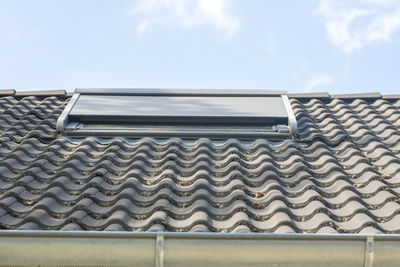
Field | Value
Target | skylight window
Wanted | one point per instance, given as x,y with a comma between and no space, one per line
180,113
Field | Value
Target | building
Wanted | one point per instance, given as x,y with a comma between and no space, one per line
87,193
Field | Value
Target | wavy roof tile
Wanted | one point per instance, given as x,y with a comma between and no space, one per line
340,175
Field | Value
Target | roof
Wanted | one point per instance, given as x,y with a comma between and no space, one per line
340,175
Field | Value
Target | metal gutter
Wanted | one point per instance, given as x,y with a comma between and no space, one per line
58,248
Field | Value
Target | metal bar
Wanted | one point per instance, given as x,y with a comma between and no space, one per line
160,133
63,119
178,92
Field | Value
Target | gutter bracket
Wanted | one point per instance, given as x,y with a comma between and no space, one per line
369,252
159,250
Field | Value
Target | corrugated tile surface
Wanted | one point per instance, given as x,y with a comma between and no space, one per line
342,174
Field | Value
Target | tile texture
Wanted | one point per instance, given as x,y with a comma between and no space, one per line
340,175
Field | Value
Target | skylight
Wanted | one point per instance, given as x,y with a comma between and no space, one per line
180,113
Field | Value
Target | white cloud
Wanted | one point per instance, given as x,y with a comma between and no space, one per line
143,25
351,26
187,14
316,81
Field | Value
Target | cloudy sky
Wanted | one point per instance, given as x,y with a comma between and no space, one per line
301,46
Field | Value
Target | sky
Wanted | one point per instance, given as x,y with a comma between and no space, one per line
335,46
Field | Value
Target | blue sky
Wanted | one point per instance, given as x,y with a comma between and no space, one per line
299,46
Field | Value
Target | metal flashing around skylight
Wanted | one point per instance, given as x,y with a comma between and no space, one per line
178,113
179,92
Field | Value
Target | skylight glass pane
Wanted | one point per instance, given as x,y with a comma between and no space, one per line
179,108
178,113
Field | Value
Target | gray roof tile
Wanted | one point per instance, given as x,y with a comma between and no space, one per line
340,175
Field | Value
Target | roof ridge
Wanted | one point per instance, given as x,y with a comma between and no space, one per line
313,95
326,95
13,92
